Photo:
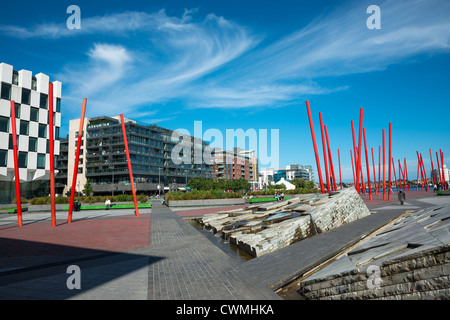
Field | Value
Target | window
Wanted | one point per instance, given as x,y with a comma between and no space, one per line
58,104
32,144
43,101
24,127
42,131
3,157
23,159
15,78
17,110
4,124
40,161
10,144
33,83
34,114
26,96
57,133
6,91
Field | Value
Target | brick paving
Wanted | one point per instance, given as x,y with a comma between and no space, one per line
159,256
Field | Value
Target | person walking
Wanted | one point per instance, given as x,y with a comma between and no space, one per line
107,203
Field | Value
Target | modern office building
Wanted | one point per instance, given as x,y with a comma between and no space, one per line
103,158
30,94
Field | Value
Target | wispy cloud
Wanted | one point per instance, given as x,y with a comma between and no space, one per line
212,62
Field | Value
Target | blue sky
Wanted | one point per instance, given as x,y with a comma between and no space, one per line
249,65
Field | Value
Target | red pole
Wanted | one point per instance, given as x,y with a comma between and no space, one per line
363,187
52,153
424,173
401,174
331,160
374,173
77,157
406,172
390,152
129,165
439,167
384,174
324,153
16,163
315,147
340,176
353,168
418,168
395,176
379,170
444,184
432,168
367,164
356,182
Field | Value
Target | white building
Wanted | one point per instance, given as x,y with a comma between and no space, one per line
294,171
30,94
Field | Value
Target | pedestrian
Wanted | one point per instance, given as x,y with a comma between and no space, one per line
79,205
107,203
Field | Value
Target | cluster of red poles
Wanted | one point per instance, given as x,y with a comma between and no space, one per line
52,164
356,159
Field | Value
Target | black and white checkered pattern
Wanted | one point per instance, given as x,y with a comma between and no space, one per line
25,82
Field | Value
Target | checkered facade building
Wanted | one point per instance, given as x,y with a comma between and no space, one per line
30,94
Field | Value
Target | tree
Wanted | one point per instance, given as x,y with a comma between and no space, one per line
298,183
309,184
88,190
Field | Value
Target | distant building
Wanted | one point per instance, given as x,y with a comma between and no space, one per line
235,164
103,157
294,171
30,94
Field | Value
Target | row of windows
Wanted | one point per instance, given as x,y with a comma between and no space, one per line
26,97
15,80
22,159
32,144
24,127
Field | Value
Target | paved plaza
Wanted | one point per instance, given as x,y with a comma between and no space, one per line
160,256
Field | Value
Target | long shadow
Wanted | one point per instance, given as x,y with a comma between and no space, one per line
36,270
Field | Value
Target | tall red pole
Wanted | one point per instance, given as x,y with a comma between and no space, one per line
390,153
444,185
319,171
367,164
395,176
384,174
77,157
419,169
52,154
331,160
324,153
16,163
129,165
340,176
374,173
424,172
406,173
439,168
401,175
432,168
356,159
379,170
353,168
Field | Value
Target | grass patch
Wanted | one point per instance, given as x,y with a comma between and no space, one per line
253,200
114,206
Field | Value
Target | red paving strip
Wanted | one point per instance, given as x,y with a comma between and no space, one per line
115,234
